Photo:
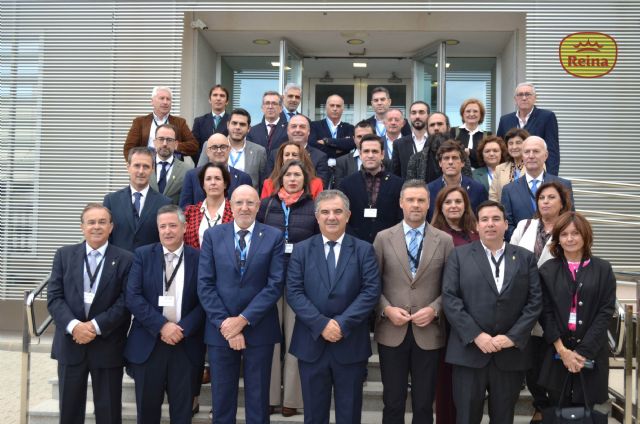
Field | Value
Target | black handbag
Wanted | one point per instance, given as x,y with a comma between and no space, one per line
573,414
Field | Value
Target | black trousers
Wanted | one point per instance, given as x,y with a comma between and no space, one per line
167,369
107,393
396,364
470,385
538,349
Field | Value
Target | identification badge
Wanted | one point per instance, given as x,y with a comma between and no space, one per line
166,301
371,213
331,162
288,248
88,297
572,318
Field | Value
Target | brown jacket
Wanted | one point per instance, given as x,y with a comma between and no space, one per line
139,135
400,289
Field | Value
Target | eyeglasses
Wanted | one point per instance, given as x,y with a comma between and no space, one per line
271,103
248,203
165,140
525,95
218,148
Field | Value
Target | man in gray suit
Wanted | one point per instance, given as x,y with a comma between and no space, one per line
168,176
409,331
245,155
492,299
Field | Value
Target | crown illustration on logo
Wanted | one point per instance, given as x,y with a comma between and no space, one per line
588,46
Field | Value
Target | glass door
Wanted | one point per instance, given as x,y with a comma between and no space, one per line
429,75
291,72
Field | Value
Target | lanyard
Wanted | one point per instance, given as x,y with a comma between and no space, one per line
161,123
167,283
286,210
243,252
497,264
214,222
416,260
237,158
92,278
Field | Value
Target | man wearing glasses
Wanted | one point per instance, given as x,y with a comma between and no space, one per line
539,122
168,176
218,149
271,132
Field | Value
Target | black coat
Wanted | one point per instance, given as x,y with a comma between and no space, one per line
302,219
596,303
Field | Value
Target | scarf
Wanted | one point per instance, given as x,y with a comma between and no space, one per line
289,198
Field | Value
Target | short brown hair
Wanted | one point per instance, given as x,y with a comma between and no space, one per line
451,146
565,197
492,139
468,102
305,158
226,177
583,227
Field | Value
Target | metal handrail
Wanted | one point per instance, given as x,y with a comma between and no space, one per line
600,182
30,297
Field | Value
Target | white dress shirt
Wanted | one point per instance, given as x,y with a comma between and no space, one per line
159,167
178,279
336,248
143,198
209,221
155,122
500,252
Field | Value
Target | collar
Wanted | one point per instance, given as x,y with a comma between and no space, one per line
236,228
176,252
330,122
498,252
526,118
471,132
156,118
273,123
339,240
444,182
356,153
221,115
102,249
219,212
415,139
539,178
144,191
406,228
389,139
159,160
244,144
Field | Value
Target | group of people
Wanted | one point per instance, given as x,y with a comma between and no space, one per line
289,238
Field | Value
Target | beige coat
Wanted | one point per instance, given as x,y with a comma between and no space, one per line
400,289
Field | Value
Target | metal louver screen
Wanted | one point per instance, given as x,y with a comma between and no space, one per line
72,79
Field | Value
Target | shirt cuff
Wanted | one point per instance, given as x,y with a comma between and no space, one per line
72,324
95,324
245,318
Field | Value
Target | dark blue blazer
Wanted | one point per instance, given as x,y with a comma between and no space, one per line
127,233
476,191
318,158
203,127
335,147
542,123
192,192
388,205
349,300
65,302
225,293
258,134
144,286
517,199
406,128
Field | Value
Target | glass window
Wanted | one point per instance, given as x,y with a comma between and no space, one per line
470,78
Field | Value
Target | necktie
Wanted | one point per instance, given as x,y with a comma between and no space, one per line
290,115
331,261
162,182
93,263
271,128
534,189
170,312
136,203
414,244
216,121
242,245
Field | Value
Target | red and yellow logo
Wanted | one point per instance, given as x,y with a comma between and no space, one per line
588,54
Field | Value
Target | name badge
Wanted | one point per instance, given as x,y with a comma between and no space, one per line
572,318
88,297
331,162
288,248
166,301
371,213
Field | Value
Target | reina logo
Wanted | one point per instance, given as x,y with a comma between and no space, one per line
588,54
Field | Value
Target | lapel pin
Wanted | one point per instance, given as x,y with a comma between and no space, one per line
513,257
468,188
386,178
260,234
113,263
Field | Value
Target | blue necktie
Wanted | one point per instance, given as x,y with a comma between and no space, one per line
414,244
162,182
534,189
331,261
136,203
216,122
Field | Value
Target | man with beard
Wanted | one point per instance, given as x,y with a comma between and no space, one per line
168,176
411,144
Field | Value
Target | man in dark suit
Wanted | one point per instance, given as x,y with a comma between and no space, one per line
85,297
291,99
518,197
165,348
408,145
272,131
218,150
215,121
331,135
134,207
143,128
409,331
348,164
381,102
298,131
171,171
393,121
374,192
540,122
333,284
240,280
451,158
492,299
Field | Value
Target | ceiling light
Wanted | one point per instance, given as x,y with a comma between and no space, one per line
394,78
326,78
261,42
359,64
355,41
275,64
452,42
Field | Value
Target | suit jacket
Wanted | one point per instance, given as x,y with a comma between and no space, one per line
542,123
402,290
203,128
65,302
476,191
145,285
141,126
481,175
334,147
387,204
192,192
318,158
473,305
225,293
501,177
403,149
349,300
517,199
258,135
128,233
406,128
255,163
347,165
176,179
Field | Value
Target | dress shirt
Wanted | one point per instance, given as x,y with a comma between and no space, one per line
356,155
500,252
247,238
333,129
102,249
539,178
221,115
388,144
523,122
155,122
159,169
407,232
381,130
418,145
336,248
178,280
471,134
238,156
143,198
209,221
274,123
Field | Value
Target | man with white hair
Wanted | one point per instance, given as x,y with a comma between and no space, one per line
291,99
540,122
519,196
143,128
